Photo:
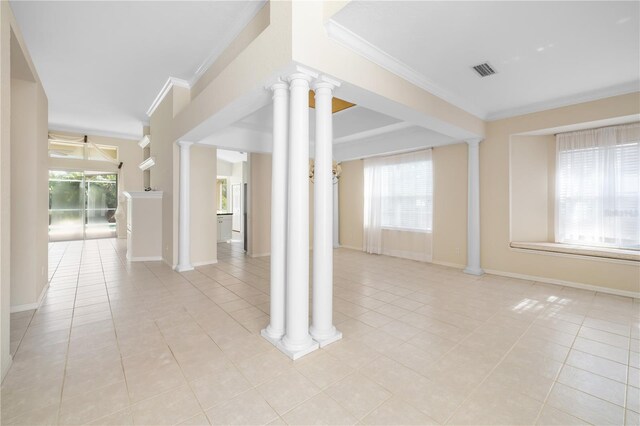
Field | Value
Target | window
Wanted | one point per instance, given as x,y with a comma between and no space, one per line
598,187
407,195
222,188
398,193
79,150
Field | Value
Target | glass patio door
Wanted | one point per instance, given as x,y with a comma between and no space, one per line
82,205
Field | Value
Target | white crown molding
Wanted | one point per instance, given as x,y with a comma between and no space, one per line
171,81
249,12
92,132
359,45
144,142
147,164
621,89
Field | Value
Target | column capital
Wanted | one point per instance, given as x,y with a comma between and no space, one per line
184,144
324,82
291,78
278,86
474,141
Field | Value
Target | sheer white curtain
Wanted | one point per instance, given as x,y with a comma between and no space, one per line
398,199
373,171
598,187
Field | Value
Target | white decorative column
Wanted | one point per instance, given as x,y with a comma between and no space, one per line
336,215
184,234
297,342
473,209
276,328
322,328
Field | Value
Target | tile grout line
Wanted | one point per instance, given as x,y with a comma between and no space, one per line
66,358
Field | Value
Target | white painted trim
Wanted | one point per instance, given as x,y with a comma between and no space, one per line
93,132
30,306
147,164
252,7
351,247
572,284
144,258
25,307
448,264
173,267
143,194
171,81
144,142
359,45
576,256
373,132
622,89
204,263
9,364
260,254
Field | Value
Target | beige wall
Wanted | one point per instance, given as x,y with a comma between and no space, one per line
496,255
16,64
531,176
5,186
29,189
351,204
204,247
450,205
259,211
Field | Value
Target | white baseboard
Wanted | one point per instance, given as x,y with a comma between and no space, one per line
572,284
350,247
448,264
144,259
31,306
5,370
260,254
204,263
173,267
404,254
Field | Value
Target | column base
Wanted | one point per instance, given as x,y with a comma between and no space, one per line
473,271
297,352
325,339
184,268
273,338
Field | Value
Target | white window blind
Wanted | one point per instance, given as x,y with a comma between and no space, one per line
598,187
407,194
398,195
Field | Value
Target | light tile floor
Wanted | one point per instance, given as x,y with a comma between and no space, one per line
118,343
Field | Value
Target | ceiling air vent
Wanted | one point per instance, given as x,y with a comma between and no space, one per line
484,69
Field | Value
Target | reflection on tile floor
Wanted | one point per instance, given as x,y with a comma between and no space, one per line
118,343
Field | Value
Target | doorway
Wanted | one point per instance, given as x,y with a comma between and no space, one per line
82,205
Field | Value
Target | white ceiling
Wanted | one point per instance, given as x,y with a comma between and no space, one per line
547,54
231,156
358,133
103,63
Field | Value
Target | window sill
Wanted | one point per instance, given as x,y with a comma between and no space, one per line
599,252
